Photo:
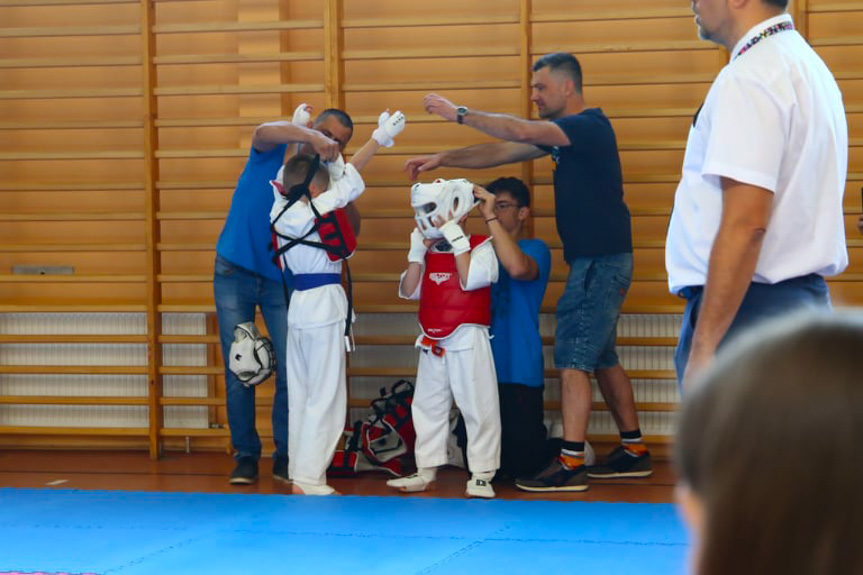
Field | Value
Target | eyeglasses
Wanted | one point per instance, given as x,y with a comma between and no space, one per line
498,206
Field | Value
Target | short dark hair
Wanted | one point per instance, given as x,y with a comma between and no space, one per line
562,62
778,3
766,441
514,187
297,170
342,116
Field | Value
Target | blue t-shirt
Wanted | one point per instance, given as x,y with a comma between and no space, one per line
591,216
246,235
516,343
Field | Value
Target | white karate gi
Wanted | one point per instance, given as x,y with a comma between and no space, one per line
317,393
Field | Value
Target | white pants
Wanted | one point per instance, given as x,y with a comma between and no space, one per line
468,376
317,399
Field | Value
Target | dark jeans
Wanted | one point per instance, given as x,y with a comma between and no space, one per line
238,291
761,302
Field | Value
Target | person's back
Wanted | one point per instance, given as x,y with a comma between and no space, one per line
767,452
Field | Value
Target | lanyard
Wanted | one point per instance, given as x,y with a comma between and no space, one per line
767,32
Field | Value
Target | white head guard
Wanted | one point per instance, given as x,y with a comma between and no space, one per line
252,357
447,199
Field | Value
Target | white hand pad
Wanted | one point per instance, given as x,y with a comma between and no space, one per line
389,126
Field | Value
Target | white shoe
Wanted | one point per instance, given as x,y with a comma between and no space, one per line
479,485
299,488
419,481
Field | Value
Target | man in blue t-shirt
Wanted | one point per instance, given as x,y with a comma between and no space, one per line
246,278
516,344
593,224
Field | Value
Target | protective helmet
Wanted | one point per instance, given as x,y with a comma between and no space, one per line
252,357
447,199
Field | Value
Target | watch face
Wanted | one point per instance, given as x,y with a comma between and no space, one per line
461,110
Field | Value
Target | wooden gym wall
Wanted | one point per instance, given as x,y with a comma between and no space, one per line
125,124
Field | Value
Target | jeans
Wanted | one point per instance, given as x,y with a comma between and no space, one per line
238,291
587,313
761,302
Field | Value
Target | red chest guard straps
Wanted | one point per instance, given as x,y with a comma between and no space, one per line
336,232
444,306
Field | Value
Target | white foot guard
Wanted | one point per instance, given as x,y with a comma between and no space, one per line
299,488
423,479
479,485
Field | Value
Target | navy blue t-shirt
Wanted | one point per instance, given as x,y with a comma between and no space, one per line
592,218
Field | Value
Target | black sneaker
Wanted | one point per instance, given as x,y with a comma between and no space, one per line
246,471
280,469
620,463
556,477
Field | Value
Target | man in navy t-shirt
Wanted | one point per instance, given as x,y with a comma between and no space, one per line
593,224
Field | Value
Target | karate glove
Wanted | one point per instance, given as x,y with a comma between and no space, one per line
302,117
455,236
336,168
389,126
418,249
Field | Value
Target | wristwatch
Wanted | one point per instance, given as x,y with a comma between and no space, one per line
459,114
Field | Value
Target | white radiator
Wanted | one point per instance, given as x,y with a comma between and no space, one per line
98,354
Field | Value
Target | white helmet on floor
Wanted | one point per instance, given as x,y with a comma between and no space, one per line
447,199
252,357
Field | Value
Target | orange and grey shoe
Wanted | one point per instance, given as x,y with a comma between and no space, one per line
621,463
556,477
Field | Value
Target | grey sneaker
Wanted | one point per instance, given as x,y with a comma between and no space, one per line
620,463
246,471
556,477
280,469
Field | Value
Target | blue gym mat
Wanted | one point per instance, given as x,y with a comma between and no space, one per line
102,532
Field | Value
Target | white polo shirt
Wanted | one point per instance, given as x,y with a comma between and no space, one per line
773,118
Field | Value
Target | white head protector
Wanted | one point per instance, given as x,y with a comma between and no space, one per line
447,199
252,357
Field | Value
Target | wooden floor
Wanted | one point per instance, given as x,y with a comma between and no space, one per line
208,473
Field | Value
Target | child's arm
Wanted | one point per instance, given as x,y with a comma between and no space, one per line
412,276
476,269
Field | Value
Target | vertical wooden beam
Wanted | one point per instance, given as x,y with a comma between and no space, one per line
525,63
151,177
334,66
800,14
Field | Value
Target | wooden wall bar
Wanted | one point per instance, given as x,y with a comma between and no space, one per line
125,123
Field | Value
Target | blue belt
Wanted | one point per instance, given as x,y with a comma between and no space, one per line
304,282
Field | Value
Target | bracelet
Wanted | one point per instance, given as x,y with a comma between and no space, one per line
492,219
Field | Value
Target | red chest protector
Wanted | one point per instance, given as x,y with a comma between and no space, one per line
336,232
444,306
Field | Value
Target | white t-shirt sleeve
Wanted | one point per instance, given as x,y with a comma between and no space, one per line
341,192
483,268
747,132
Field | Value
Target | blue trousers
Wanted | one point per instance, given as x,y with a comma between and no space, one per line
238,292
761,302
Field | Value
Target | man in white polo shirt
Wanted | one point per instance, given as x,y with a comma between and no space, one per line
757,220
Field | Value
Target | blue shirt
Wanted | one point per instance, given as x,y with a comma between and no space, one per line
516,343
246,234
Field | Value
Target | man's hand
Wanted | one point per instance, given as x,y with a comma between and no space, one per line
435,104
389,126
487,199
420,164
326,147
302,116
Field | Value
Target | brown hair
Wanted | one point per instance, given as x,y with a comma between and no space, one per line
297,171
770,442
